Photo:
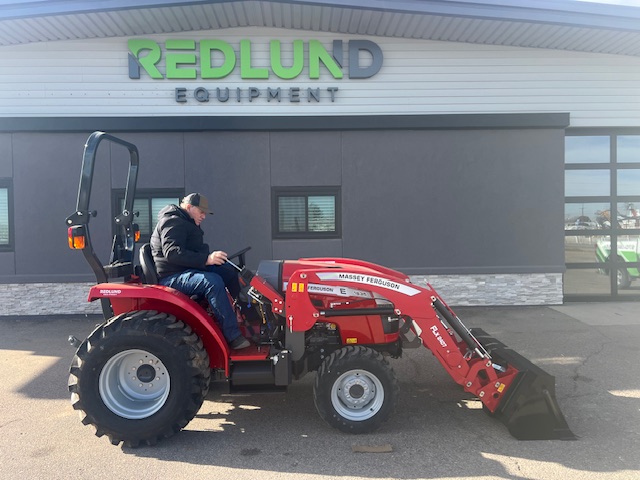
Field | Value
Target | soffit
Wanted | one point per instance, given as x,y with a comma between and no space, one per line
551,24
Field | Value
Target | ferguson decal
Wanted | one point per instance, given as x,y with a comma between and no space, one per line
334,290
369,280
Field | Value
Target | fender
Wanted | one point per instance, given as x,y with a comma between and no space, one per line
129,297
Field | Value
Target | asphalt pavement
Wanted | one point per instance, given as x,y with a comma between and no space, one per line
437,432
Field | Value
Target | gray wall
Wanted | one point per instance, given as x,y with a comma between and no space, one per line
424,201
7,259
455,201
46,171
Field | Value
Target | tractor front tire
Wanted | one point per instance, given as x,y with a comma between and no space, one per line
140,377
355,389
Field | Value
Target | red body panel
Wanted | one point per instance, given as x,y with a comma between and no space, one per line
474,373
127,297
336,284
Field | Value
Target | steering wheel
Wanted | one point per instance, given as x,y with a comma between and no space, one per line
240,253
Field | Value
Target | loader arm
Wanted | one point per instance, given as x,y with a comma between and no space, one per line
509,386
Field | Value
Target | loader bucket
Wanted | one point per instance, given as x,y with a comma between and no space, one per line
529,408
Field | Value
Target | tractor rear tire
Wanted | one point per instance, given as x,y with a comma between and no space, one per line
140,377
355,389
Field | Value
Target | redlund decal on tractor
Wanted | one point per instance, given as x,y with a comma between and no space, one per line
110,292
144,373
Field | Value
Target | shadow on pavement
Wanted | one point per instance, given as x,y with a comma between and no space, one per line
437,431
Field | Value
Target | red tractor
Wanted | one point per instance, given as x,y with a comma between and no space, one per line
143,374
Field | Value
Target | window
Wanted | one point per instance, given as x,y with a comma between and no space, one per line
587,149
147,205
602,216
628,148
581,183
6,215
311,212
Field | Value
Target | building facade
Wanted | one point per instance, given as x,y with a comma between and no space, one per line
489,151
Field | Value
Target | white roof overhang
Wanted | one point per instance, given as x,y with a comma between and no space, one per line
596,27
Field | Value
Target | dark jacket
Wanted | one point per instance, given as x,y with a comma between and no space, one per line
177,243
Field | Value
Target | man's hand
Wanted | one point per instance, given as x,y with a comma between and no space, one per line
217,258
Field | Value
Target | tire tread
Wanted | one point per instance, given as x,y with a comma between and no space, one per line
188,347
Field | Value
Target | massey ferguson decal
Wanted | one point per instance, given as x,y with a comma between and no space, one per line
369,280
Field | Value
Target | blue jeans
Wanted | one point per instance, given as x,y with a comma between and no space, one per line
211,284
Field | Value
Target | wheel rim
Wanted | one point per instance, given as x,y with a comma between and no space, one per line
134,384
357,395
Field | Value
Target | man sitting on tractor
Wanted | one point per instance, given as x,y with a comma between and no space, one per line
183,262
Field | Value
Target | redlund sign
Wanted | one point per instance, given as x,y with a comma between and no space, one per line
212,59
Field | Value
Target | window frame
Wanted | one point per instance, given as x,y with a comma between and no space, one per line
613,200
8,184
316,191
142,194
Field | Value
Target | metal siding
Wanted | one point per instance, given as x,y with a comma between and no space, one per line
6,155
7,259
162,165
233,169
45,195
294,249
306,159
454,201
90,78
7,264
446,201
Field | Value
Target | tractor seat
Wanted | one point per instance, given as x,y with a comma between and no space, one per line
149,273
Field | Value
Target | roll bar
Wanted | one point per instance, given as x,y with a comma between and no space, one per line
122,250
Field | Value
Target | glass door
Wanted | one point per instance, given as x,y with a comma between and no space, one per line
602,216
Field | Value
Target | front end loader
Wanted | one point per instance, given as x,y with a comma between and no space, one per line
144,372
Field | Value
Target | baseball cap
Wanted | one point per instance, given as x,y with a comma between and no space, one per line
197,200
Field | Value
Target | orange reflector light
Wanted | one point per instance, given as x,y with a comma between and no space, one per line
77,240
136,234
